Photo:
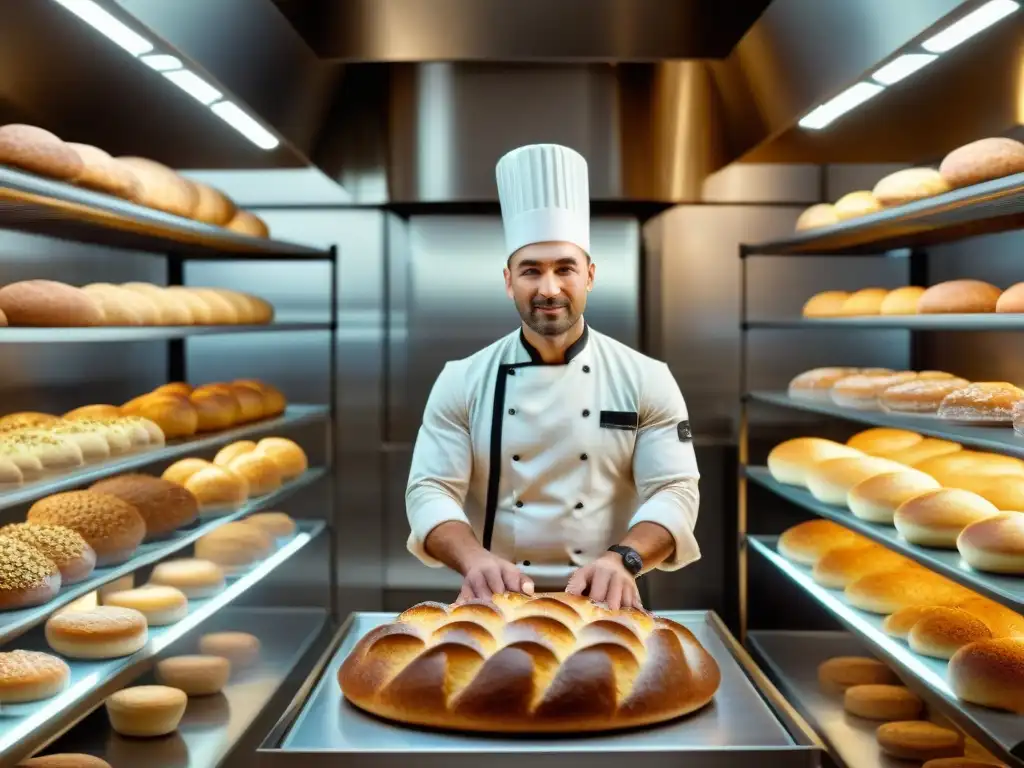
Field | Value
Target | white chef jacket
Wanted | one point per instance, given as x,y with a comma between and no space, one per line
550,464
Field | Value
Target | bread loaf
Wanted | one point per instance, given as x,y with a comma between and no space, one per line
944,630
790,461
213,206
861,391
854,204
248,223
825,304
982,401
165,506
820,215
546,663
123,307
105,174
162,188
840,566
38,151
49,304
886,592
959,296
901,301
994,544
990,673
199,312
909,184
982,160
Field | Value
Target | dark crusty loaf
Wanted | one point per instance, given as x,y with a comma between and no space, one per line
548,663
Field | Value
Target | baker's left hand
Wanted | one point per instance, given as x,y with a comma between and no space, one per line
606,580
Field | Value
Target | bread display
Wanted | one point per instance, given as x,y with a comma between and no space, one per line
840,673
146,710
888,591
936,518
218,490
103,173
866,301
959,296
192,577
648,669
31,676
909,184
883,702
807,542
27,576
840,566
248,223
919,740
990,673
36,150
160,604
104,632
165,506
857,203
234,546
994,544
819,215
901,301
831,481
241,649
862,390
982,160
944,630
919,395
112,527
982,401
65,548
877,498
194,675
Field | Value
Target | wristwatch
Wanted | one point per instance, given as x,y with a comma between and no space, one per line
630,558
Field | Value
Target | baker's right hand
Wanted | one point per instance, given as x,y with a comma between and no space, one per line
487,574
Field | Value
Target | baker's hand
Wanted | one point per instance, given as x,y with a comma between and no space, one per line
487,574
606,580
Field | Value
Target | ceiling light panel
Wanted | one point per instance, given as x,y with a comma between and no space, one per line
902,66
110,26
840,105
970,25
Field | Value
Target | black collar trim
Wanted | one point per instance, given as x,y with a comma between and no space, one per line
574,349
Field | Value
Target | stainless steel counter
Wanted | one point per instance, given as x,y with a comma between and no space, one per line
748,723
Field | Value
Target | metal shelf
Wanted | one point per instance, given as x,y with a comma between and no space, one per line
26,727
147,333
212,725
30,203
988,321
15,623
1008,590
1000,732
999,438
294,416
993,206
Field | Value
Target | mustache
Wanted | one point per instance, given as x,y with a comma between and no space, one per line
549,303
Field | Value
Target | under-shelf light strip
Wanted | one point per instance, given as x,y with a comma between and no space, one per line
172,68
908,63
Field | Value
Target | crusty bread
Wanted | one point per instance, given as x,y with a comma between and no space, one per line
878,441
248,223
909,184
944,630
840,566
901,301
546,663
982,160
936,518
216,411
49,304
274,401
174,414
790,461
162,188
816,383
112,527
825,304
919,395
807,542
819,215
990,673
982,400
877,498
866,301
38,151
994,544
105,174
959,296
854,204
830,481
886,592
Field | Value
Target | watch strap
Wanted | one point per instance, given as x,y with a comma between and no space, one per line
630,558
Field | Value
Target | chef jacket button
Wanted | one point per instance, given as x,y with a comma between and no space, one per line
586,369
526,562
511,411
519,503
583,457
586,412
511,371
577,551
515,457
579,505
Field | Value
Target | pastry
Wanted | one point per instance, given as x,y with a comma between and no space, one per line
49,304
161,605
883,702
112,527
982,160
146,710
838,674
65,548
194,578
27,576
291,460
909,184
259,470
161,188
994,544
901,301
817,383
807,542
31,676
936,518
195,675
218,490
165,506
234,546
239,648
877,498
819,215
38,151
943,631
990,673
831,481
105,632
247,223
866,301
919,395
854,204
959,296
919,740
982,401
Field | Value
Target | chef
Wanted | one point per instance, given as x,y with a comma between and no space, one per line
556,458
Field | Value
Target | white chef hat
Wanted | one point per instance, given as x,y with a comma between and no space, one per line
545,196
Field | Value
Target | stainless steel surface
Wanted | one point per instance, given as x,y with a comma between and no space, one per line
212,725
737,725
950,322
16,623
155,333
996,730
31,726
1008,590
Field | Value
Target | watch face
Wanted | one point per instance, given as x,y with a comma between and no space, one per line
632,561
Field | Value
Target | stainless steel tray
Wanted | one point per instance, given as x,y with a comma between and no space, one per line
748,723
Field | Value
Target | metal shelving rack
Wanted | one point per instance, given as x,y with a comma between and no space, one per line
903,232
65,212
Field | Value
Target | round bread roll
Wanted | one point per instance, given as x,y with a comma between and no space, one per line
990,673
260,472
214,207
807,542
232,451
64,760
291,460
38,151
877,498
49,304
3,320
947,468
900,623
878,441
982,401
216,411
274,401
1003,621
277,525
223,311
112,527
55,453
866,301
248,223
982,160
883,702
162,188
819,215
234,546
919,740
165,506
817,383
65,548
901,301
146,710
195,675
104,632
840,673
909,184
192,577
239,648
919,395
27,576
199,312
175,415
23,419
103,173
959,296
87,436
936,518
160,604
249,403
218,490
994,544
840,566
24,459
31,676
180,471
831,481
1011,301
93,412
825,304
943,631
886,592
854,204
861,391
126,433
182,388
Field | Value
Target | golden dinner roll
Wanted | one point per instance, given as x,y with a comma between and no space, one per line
982,401
175,415
900,623
234,546
249,403
994,544
818,215
936,518
103,173
232,451
27,576
48,304
919,740
909,184
825,304
919,395
260,472
195,675
990,673
214,207
943,631
982,160
240,648
104,632
886,592
162,188
182,388
277,525
854,204
164,505
877,498
807,542
180,471
146,710
223,311
1011,301
31,676
1003,621
830,481
959,296
215,411
949,467
112,527
36,150
816,383
193,577
199,311
53,452
65,548
861,391
901,301
86,436
218,489
877,441
23,419
883,702
840,566
22,457
160,604
790,461
866,301
291,460
248,223
274,401
94,412
840,673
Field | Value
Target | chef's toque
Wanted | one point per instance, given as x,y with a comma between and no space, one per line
545,196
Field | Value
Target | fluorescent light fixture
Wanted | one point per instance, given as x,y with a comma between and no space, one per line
840,105
233,115
194,86
108,25
970,25
902,66
163,62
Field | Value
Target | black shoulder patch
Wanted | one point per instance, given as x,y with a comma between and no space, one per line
684,431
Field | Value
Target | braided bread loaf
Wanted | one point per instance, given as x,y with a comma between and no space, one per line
548,663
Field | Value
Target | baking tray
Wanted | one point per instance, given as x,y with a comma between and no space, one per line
749,723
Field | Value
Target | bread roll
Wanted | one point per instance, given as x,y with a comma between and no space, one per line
808,542
936,518
213,207
223,311
112,527
817,383
900,623
38,151
909,184
825,304
260,472
943,631
982,160
877,441
172,310
161,605
64,547
218,490
1011,301
121,305
391,672
193,577
182,388
27,576
180,471
819,215
840,673
901,301
93,412
194,675
288,455
87,436
239,648
48,304
274,401
232,451
146,710
165,506
888,591
53,452
790,461
105,174
919,740
830,481
994,544
948,468
883,702
854,204
243,309
31,676
10,473
959,296
919,395
249,403
861,391
162,188
199,312
22,419
262,310
997,617
277,525
982,401
216,411
840,566
248,223
866,301
105,632
990,673
877,498
235,546
175,415
64,760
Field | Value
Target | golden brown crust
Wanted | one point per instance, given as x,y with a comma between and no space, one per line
857,203
888,591
877,441
982,160
36,150
808,542
883,702
550,663
180,471
1003,621
49,304
842,672
215,486
234,545
216,411
105,622
909,184
901,301
161,187
112,527
843,565
65,547
174,414
27,576
247,223
959,296
291,460
165,506
64,760
990,673
943,631
259,471
990,400
1011,301
919,740
105,174
866,301
818,215
919,395
213,207
276,524
936,518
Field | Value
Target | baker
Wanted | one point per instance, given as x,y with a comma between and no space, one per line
555,458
